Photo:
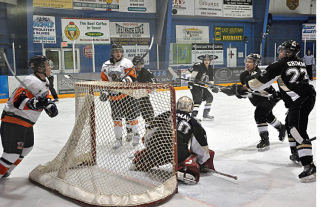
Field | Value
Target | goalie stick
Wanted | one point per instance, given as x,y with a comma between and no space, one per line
223,174
143,56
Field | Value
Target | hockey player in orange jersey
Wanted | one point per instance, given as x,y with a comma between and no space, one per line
120,69
22,111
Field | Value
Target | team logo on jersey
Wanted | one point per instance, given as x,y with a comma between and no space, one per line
292,4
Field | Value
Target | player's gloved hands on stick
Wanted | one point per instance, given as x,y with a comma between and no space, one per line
39,103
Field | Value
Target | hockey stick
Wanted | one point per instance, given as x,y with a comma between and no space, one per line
73,78
18,79
144,55
14,74
224,174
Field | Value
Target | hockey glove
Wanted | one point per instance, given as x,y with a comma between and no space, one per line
276,96
228,90
241,92
104,96
36,104
214,89
51,109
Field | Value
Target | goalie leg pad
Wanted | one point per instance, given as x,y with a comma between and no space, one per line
209,163
189,171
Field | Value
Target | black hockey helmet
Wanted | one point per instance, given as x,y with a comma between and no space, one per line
205,57
255,57
37,63
290,46
137,59
115,47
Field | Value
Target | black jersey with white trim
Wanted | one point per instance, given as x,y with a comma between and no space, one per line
292,79
187,127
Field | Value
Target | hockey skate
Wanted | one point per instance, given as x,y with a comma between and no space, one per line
295,158
264,143
208,117
186,178
309,174
117,144
282,132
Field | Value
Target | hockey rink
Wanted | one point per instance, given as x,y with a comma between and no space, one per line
265,179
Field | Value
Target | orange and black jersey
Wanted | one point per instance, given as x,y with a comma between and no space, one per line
16,109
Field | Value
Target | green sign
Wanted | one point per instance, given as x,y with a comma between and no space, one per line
182,53
228,33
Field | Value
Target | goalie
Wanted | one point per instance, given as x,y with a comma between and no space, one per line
158,144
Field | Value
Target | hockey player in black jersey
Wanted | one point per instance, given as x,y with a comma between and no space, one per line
202,75
144,76
264,101
299,97
198,158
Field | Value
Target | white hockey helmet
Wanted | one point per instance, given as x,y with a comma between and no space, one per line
185,103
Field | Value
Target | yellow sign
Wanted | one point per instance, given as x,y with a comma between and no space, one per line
59,4
228,33
72,31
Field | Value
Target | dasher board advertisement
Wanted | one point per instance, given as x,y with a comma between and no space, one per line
85,31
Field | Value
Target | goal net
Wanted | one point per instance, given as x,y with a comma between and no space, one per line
122,149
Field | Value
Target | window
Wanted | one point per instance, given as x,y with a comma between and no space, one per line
63,60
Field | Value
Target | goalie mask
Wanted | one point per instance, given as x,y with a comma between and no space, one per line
255,57
38,64
185,104
290,46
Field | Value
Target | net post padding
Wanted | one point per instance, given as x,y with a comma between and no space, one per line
88,170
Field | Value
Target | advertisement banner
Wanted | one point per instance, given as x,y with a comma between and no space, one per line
129,29
133,50
211,8
58,4
182,53
192,34
84,31
215,49
97,5
182,7
237,8
309,32
139,6
228,33
44,29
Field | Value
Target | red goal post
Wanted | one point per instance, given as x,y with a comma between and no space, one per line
90,170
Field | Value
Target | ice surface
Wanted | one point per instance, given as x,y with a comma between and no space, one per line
266,179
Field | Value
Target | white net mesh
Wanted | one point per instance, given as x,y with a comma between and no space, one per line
121,151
